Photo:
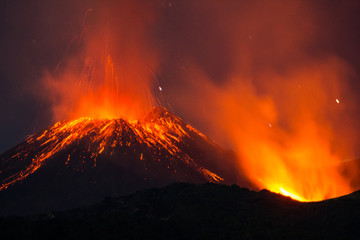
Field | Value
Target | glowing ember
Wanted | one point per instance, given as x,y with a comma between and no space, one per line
289,194
111,74
101,93
160,135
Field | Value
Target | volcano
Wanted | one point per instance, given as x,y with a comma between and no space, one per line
79,162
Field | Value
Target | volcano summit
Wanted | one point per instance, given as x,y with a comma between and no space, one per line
79,162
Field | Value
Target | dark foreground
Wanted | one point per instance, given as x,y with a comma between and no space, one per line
187,211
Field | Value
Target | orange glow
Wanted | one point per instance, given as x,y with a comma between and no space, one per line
114,98
289,140
274,101
111,74
161,134
299,156
289,194
100,92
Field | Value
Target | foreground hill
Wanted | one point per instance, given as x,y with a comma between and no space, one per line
187,211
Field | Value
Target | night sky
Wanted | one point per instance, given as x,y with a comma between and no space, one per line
216,39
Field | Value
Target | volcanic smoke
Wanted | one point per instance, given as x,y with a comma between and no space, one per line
282,110
256,85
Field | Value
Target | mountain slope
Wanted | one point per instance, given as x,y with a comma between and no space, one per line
74,163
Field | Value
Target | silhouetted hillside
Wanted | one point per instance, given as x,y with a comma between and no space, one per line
187,211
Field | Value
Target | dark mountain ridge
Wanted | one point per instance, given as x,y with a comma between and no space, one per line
188,211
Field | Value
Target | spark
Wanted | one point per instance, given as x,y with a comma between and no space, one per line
160,88
270,125
337,100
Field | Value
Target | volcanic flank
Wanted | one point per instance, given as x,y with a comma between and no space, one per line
79,162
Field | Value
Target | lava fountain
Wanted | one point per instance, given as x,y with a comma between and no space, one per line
108,72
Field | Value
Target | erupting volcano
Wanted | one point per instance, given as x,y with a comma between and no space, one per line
81,161
241,73
115,142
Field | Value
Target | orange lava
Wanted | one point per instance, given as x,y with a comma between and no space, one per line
160,133
111,73
112,97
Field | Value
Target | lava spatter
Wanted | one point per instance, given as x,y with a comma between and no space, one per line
161,137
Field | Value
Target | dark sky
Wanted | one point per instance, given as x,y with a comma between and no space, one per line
213,38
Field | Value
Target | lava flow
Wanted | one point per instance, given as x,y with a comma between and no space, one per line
161,136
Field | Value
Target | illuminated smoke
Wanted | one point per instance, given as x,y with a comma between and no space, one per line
255,83
248,74
110,74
